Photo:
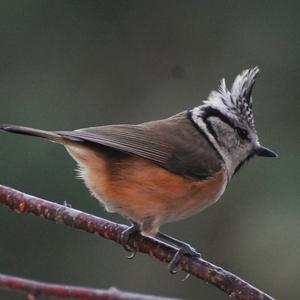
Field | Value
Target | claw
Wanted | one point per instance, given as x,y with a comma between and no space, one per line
187,276
173,265
183,249
132,255
125,236
127,248
132,252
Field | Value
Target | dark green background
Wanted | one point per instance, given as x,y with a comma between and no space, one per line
71,64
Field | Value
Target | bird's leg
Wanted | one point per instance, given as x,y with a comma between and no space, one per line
183,248
125,236
179,244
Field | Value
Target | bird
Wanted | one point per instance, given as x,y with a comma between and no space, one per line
166,170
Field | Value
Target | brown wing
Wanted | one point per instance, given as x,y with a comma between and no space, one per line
172,143
131,139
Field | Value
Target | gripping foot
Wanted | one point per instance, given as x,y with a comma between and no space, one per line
125,236
183,249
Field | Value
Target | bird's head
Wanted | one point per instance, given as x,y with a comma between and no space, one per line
226,118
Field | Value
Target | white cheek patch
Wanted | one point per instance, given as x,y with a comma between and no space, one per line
196,116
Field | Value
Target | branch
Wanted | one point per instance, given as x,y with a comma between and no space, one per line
224,280
36,288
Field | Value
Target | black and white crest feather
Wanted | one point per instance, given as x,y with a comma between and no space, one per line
237,103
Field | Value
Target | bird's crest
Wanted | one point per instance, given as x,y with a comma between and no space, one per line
236,103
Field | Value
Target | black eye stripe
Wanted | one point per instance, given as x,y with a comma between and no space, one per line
212,131
243,133
212,112
203,133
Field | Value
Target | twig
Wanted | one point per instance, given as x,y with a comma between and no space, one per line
224,280
36,288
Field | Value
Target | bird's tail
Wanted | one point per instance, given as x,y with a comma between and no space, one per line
49,135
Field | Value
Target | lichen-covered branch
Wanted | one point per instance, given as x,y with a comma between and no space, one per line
36,288
224,280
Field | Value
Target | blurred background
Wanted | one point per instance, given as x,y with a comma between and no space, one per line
71,64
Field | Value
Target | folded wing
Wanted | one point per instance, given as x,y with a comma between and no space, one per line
172,143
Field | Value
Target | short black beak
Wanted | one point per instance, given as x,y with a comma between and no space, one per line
263,151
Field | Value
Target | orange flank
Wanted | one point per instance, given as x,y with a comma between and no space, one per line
143,191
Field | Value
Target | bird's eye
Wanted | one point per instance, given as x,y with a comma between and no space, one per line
243,133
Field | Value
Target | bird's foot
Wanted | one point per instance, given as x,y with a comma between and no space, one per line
184,249
126,235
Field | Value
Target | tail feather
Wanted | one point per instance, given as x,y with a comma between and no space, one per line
49,135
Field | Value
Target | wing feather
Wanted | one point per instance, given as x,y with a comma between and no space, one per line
172,143
132,139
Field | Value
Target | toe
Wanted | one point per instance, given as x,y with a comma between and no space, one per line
190,251
173,265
